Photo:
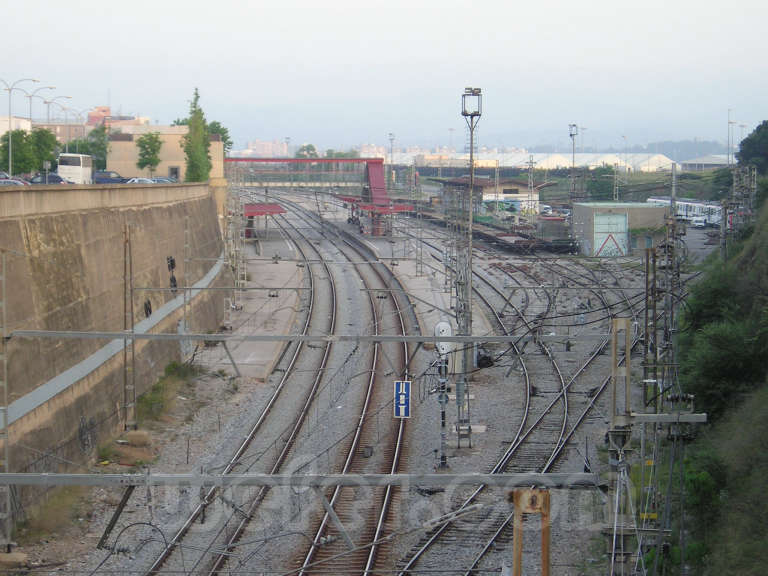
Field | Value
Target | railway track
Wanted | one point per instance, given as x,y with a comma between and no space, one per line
221,556
223,547
328,552
500,533
365,513
210,556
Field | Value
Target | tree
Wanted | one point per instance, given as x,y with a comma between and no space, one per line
307,151
44,144
98,141
331,153
600,183
196,143
754,148
24,159
149,151
78,146
762,191
216,127
96,144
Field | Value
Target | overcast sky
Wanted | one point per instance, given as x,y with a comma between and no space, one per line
341,73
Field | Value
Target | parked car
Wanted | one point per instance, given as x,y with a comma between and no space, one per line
164,180
3,175
107,177
51,178
139,181
10,182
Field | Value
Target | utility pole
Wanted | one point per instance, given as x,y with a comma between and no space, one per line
723,230
129,356
531,204
619,436
5,492
391,161
443,349
496,187
729,137
573,131
471,110
672,408
672,268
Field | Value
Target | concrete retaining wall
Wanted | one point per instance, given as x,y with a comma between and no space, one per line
65,271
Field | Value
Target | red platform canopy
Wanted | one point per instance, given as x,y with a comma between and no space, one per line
262,209
348,199
386,209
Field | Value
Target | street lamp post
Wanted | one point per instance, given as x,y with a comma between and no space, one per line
10,88
391,160
66,123
66,118
573,131
33,94
626,165
79,114
471,110
48,103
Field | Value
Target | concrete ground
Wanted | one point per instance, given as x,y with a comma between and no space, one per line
258,312
696,240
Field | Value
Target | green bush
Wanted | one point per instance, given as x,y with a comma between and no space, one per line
724,329
723,347
725,492
158,399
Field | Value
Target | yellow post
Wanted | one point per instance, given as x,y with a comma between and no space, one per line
530,501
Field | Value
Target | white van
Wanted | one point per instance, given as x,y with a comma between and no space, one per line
699,222
76,168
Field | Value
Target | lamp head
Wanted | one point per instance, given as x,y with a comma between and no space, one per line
472,102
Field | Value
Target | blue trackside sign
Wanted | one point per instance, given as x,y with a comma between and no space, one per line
402,404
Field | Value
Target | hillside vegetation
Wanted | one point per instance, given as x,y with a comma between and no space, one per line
724,336
724,362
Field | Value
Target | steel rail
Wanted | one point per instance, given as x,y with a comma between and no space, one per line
559,447
221,558
519,437
200,508
353,446
396,457
561,443
371,557
606,306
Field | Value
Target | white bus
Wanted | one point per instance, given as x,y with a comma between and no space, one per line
77,168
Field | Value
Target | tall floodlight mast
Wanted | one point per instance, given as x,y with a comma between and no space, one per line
471,110
573,131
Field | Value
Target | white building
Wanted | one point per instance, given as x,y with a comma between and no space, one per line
542,161
16,122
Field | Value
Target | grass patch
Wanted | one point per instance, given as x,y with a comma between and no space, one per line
159,399
106,452
61,508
